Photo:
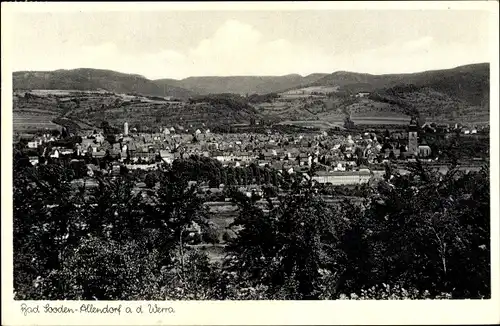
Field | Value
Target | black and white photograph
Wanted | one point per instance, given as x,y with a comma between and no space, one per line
251,155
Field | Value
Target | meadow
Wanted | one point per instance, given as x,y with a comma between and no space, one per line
33,120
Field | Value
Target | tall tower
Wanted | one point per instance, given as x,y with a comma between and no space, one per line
125,129
413,137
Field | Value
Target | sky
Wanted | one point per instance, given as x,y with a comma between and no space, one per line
179,44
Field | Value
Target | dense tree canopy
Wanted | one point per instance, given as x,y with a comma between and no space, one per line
419,235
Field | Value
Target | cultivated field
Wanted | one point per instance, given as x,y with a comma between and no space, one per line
310,90
313,124
33,120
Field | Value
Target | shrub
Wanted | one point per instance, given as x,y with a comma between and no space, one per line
210,235
386,292
229,235
150,180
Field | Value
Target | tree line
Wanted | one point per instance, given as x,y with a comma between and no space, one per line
419,235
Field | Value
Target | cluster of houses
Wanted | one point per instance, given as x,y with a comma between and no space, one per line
457,127
338,159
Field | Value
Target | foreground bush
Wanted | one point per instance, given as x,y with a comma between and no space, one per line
417,232
386,292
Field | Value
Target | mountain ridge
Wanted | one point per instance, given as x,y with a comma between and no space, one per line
459,94
469,83
87,79
241,84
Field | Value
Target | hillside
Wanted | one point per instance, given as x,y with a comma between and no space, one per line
452,95
468,83
241,84
37,110
93,80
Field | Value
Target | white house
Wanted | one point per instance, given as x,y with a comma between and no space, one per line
166,156
339,167
67,151
34,144
55,153
424,151
33,160
99,138
224,158
243,156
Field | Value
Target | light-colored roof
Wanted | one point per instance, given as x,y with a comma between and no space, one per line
341,173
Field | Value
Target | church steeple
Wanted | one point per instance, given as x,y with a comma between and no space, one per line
413,136
413,124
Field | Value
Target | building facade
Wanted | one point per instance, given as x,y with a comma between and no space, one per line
343,178
413,137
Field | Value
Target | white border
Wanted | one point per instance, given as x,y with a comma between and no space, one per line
261,312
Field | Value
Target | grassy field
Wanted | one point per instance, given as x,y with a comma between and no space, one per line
36,110
311,89
391,108
28,121
338,121
45,92
367,120
312,123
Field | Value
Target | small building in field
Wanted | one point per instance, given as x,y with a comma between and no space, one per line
362,94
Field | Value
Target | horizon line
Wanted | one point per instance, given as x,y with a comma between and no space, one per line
256,75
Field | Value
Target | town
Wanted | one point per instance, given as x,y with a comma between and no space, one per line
323,156
343,167
346,159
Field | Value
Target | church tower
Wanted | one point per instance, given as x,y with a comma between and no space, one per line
413,137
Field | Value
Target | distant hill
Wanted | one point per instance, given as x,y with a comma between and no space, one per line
94,79
468,83
199,111
452,95
37,110
241,84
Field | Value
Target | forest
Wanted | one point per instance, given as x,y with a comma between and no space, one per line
421,235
